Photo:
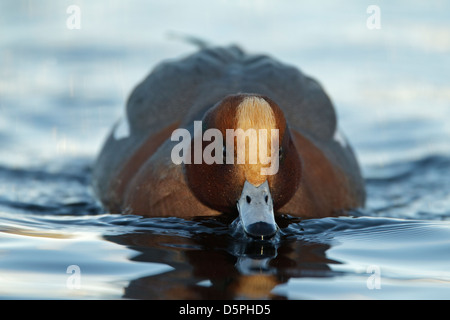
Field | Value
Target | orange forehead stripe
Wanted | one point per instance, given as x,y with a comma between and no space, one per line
255,113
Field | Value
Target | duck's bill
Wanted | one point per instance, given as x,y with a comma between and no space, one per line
255,208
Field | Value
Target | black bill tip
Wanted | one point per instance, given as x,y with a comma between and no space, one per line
261,230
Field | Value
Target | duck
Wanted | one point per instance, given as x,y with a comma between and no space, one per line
175,152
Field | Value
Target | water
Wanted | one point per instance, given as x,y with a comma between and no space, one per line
61,90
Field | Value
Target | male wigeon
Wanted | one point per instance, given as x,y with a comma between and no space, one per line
315,172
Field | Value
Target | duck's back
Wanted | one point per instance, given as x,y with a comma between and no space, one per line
178,92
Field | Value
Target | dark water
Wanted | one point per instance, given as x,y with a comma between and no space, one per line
61,90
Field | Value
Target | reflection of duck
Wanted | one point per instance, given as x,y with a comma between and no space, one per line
316,174
209,265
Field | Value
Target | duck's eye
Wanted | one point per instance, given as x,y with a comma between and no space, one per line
224,153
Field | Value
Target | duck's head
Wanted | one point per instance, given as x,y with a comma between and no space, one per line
250,172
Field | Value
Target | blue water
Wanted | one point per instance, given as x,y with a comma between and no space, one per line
61,90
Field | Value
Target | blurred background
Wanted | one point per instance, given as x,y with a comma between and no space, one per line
61,89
